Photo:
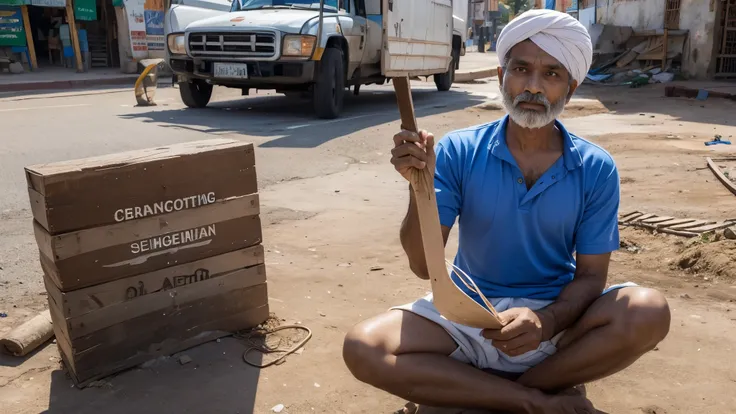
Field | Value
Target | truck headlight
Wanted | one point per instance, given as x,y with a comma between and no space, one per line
176,44
298,46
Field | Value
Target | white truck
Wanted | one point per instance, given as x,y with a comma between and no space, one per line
311,48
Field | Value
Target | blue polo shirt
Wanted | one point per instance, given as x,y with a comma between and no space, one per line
516,242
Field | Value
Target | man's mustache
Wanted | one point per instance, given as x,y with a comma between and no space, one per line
534,98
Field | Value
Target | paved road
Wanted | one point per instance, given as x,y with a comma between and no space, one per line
291,141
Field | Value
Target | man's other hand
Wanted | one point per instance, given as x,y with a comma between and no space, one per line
521,332
410,151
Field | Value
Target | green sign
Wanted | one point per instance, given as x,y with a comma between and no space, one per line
85,9
14,2
117,3
12,32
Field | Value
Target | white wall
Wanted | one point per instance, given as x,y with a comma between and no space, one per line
698,51
640,14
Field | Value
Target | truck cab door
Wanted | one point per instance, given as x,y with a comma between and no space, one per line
354,26
372,54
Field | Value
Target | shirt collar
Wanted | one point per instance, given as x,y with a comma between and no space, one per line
497,145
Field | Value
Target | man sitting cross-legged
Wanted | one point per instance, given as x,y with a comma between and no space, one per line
537,210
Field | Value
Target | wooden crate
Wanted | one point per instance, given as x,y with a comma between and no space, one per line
102,254
117,188
104,329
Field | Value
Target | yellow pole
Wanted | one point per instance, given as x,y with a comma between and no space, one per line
73,33
29,37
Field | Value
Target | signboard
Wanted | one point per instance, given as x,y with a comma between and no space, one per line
572,5
85,10
137,26
49,3
154,15
12,32
14,2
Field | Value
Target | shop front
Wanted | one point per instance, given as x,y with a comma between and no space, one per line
58,35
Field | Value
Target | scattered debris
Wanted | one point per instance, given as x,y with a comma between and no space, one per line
154,362
699,94
685,296
730,233
376,268
3,315
29,335
671,225
717,140
278,408
717,259
185,359
316,385
344,265
627,56
100,384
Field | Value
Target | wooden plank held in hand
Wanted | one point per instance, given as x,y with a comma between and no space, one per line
452,302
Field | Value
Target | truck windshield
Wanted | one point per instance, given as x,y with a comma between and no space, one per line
238,5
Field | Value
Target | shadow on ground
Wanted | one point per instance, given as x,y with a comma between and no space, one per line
215,381
292,121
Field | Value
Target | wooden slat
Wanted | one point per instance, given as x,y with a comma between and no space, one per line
72,244
630,216
695,223
711,227
89,323
645,217
674,222
721,177
92,192
82,301
656,220
121,261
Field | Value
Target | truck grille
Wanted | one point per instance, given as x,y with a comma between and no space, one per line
233,45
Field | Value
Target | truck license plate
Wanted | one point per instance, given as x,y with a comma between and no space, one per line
231,70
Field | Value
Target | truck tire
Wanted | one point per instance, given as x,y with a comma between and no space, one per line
329,90
443,81
195,94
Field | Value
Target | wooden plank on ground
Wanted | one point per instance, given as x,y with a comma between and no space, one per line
696,223
721,176
644,217
674,222
630,216
98,255
655,220
115,188
710,227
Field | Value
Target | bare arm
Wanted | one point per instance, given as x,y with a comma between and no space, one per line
411,239
577,296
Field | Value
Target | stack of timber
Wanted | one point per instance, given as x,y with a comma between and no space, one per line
147,253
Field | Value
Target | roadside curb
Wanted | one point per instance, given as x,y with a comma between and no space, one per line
475,74
67,84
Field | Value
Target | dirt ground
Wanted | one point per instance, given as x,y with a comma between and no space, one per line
334,258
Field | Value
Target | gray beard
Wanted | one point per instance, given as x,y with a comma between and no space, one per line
527,118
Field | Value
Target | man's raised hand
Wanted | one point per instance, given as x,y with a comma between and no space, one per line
410,151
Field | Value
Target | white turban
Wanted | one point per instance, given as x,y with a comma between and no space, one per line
558,34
